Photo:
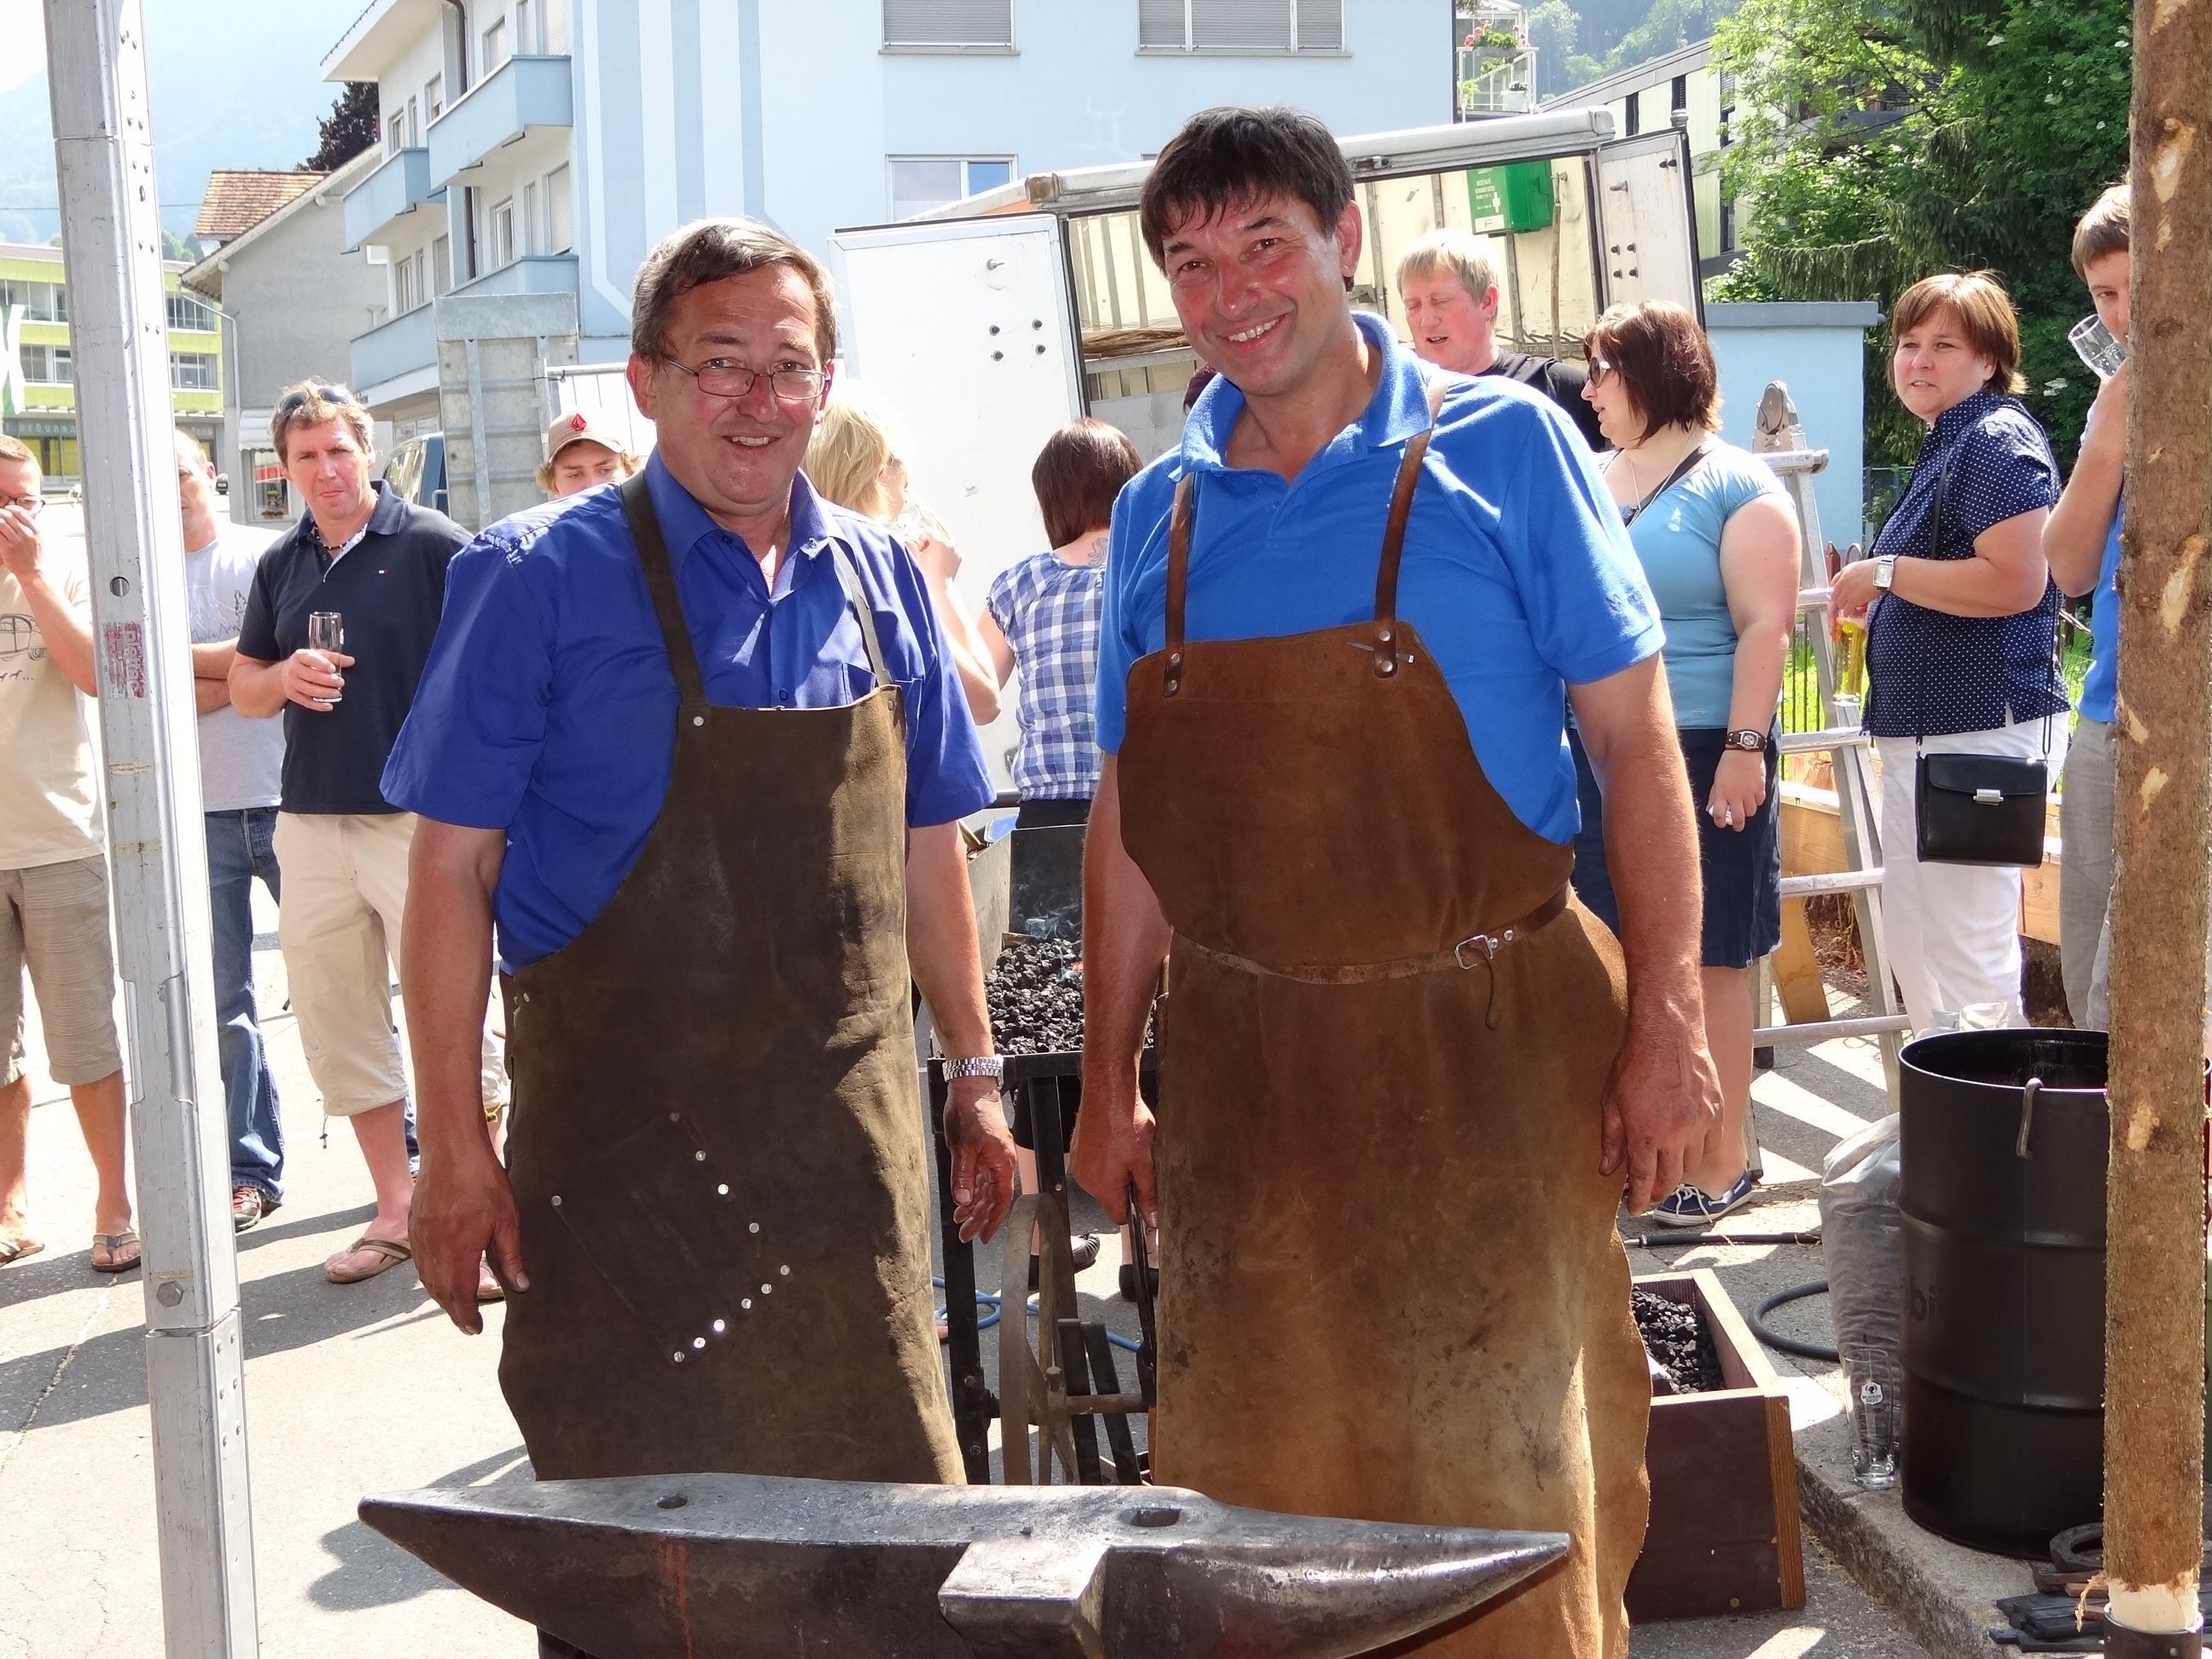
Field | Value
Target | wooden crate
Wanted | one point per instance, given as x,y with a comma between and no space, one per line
1724,1534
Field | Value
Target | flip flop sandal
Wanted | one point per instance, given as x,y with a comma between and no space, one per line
389,1253
115,1244
15,1252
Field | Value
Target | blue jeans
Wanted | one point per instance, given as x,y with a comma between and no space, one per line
240,847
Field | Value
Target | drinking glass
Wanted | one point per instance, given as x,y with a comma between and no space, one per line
326,632
2096,345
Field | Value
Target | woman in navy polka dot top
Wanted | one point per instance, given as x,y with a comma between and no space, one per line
1960,641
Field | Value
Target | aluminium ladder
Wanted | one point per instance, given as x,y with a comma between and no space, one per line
1779,440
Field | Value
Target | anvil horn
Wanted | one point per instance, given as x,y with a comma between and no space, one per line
738,1566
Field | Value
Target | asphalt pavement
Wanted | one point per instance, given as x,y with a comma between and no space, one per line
367,1387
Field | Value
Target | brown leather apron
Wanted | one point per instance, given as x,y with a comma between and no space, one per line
1391,1287
717,1145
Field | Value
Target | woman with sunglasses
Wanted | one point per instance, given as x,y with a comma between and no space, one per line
1718,538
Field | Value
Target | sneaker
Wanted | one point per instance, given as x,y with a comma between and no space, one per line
1688,1206
248,1204
1082,1252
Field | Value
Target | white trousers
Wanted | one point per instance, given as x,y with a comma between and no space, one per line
1951,930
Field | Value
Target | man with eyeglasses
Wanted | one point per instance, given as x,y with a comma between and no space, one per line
378,563
694,746
241,767
53,871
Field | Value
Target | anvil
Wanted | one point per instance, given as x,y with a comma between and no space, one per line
738,1566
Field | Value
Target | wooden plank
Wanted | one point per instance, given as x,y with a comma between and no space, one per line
1797,969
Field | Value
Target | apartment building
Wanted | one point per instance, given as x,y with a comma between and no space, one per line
536,147
38,378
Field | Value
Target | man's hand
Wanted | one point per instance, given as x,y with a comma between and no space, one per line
465,1214
311,678
1661,1103
983,1176
20,547
1113,1149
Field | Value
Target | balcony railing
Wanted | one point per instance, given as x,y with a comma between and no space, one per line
533,273
401,346
400,185
524,94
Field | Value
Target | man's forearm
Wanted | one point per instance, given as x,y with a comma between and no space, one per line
1652,853
257,688
66,632
941,947
1125,940
208,696
212,661
445,973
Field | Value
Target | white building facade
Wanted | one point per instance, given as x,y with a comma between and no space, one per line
543,146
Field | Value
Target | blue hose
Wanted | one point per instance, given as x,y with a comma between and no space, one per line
984,1299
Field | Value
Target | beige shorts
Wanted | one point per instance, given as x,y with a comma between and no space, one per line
345,894
53,919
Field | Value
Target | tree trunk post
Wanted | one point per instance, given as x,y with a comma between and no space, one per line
2154,1283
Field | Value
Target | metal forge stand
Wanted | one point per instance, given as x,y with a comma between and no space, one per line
1068,1383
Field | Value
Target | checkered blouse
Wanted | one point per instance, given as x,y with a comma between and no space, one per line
1048,610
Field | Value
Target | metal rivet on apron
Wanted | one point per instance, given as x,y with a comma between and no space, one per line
698,720
698,1344
768,1290
698,1157
785,1270
676,1117
721,1325
723,1191
754,1228
557,1200
677,1356
747,1303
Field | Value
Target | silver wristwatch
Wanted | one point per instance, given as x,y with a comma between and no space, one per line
989,1066
1885,571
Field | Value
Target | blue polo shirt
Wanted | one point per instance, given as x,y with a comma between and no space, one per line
549,707
1516,570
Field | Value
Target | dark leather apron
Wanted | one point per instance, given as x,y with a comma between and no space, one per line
1391,1287
717,1147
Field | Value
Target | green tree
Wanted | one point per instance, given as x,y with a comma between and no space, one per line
1551,28
1877,142
348,130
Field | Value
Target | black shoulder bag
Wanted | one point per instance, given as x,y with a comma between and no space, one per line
1975,809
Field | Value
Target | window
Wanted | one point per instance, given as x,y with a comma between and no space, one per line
270,500
1240,25
42,303
525,28
395,133
949,23
494,48
404,296
560,211
192,371
47,365
533,227
502,234
414,122
441,264
434,97
189,311
920,183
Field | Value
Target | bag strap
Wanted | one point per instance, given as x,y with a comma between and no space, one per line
1683,468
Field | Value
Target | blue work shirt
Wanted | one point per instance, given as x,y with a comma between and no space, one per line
548,708
2101,686
1516,571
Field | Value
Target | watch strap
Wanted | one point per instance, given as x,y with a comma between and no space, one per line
1748,739
990,1066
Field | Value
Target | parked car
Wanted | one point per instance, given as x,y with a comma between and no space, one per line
417,471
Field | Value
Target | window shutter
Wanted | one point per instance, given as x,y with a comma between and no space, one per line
948,22
1160,23
1320,25
1241,23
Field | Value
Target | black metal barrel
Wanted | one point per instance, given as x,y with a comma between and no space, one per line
2003,1153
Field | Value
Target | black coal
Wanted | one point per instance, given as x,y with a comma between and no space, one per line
1675,1335
1035,996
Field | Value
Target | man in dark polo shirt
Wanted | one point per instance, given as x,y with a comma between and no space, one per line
378,563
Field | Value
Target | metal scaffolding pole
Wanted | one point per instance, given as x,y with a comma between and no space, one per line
112,249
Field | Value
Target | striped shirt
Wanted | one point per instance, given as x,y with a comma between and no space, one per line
1048,610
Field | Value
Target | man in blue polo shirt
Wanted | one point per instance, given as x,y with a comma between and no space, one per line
691,743
1404,1072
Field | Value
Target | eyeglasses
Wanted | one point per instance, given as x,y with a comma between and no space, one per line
292,403
1598,368
726,377
33,504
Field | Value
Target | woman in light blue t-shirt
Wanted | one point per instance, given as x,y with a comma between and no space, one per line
1717,540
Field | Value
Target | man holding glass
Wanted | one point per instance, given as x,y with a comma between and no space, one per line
693,745
373,567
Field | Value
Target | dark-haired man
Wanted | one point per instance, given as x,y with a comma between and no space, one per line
693,746
1405,1076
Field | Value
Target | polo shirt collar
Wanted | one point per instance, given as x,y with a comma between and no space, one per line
684,524
1399,409
389,513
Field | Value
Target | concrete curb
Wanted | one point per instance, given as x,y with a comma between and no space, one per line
1943,1594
